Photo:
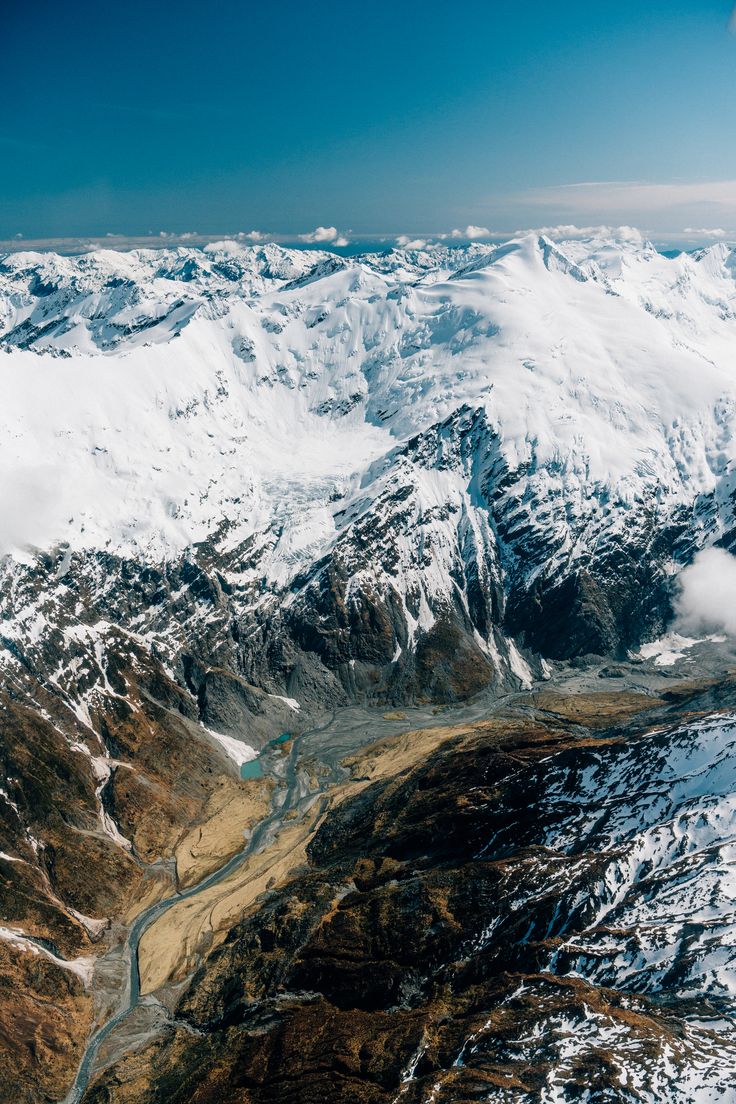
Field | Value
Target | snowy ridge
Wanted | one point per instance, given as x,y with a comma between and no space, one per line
598,365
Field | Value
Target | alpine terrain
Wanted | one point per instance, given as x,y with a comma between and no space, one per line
351,750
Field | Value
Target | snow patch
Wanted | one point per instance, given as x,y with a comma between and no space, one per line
673,647
83,966
291,702
236,750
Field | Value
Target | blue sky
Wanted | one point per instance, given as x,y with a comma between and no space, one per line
373,118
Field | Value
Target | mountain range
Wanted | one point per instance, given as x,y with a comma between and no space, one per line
246,489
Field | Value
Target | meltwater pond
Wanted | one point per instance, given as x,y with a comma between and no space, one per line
254,768
251,769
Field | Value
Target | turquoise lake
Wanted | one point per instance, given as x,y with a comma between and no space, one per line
251,769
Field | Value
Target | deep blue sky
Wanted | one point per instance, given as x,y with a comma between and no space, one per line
375,117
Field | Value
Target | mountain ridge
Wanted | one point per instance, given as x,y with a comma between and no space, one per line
300,413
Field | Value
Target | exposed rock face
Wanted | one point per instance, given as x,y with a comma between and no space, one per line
536,910
45,1015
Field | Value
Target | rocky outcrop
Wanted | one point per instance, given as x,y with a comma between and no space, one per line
45,1015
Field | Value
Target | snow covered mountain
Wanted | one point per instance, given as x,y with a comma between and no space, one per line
378,465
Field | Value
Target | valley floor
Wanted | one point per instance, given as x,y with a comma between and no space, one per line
523,899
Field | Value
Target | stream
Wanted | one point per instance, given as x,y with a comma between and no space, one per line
291,796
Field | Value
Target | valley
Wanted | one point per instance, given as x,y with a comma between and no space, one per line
347,866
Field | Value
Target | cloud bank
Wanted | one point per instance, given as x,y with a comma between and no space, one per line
661,206
327,235
31,501
471,233
704,232
405,241
568,230
707,598
226,246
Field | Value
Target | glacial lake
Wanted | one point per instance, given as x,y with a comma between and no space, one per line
253,768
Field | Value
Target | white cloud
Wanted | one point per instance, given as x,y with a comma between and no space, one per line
567,230
707,598
325,234
472,233
706,233
404,241
252,236
227,246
